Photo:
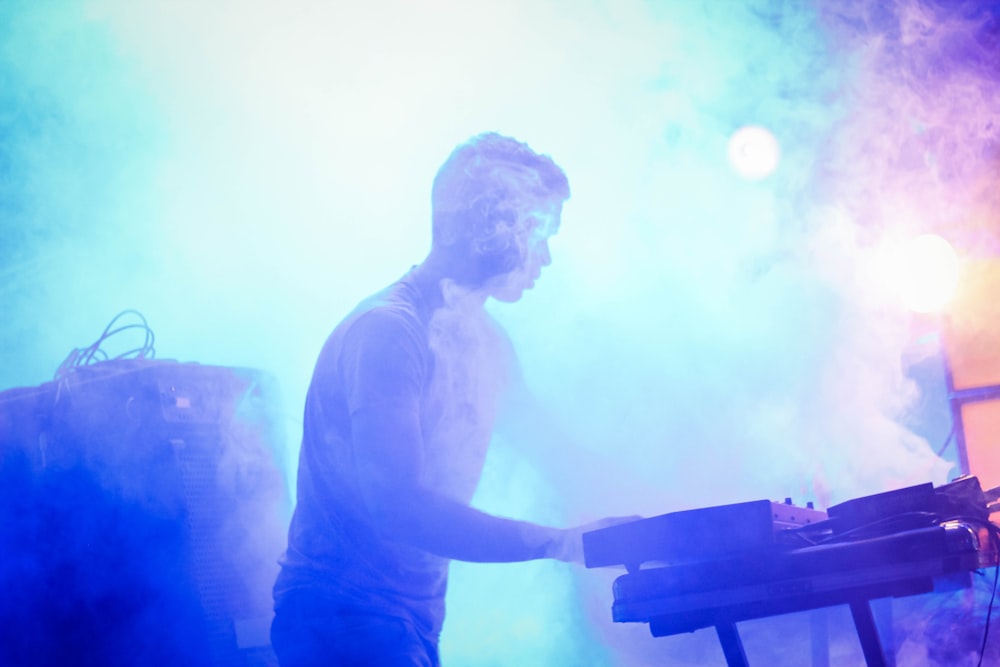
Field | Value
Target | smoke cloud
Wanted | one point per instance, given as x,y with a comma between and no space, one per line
243,174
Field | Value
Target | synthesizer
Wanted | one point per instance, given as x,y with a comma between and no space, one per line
708,533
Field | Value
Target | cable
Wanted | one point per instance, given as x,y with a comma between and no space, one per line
804,533
884,526
95,353
947,441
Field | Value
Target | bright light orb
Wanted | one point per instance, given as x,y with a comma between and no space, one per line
754,153
927,273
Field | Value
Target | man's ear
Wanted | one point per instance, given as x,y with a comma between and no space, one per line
446,234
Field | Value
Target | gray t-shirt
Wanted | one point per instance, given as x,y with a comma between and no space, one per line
402,347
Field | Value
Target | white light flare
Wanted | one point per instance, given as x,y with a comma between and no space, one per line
924,272
754,153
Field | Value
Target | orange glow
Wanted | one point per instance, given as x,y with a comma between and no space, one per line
981,427
972,337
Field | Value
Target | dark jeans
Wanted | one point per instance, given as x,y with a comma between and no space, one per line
310,633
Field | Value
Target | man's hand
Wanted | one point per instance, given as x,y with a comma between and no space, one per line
567,545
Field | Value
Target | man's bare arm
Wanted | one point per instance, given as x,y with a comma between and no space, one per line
388,452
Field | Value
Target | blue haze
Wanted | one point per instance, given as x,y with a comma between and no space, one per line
243,174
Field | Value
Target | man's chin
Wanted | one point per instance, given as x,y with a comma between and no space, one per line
511,294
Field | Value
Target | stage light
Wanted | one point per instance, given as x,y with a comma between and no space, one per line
753,152
926,273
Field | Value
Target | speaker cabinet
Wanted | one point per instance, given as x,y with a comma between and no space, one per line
143,512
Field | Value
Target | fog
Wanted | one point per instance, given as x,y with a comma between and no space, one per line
243,173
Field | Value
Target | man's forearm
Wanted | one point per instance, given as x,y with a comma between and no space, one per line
447,528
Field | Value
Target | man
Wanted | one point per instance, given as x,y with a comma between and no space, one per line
398,419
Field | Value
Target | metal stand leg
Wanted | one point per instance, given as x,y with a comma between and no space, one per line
871,645
732,645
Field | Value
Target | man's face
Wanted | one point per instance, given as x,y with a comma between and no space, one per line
539,222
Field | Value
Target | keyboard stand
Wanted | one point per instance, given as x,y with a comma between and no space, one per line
725,617
871,644
686,597
732,645
864,622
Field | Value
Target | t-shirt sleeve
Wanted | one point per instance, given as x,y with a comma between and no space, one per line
384,367
383,364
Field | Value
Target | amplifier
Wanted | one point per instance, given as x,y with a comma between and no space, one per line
142,512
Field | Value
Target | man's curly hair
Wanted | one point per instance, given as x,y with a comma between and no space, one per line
481,196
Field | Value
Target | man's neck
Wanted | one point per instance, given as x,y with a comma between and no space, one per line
436,279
